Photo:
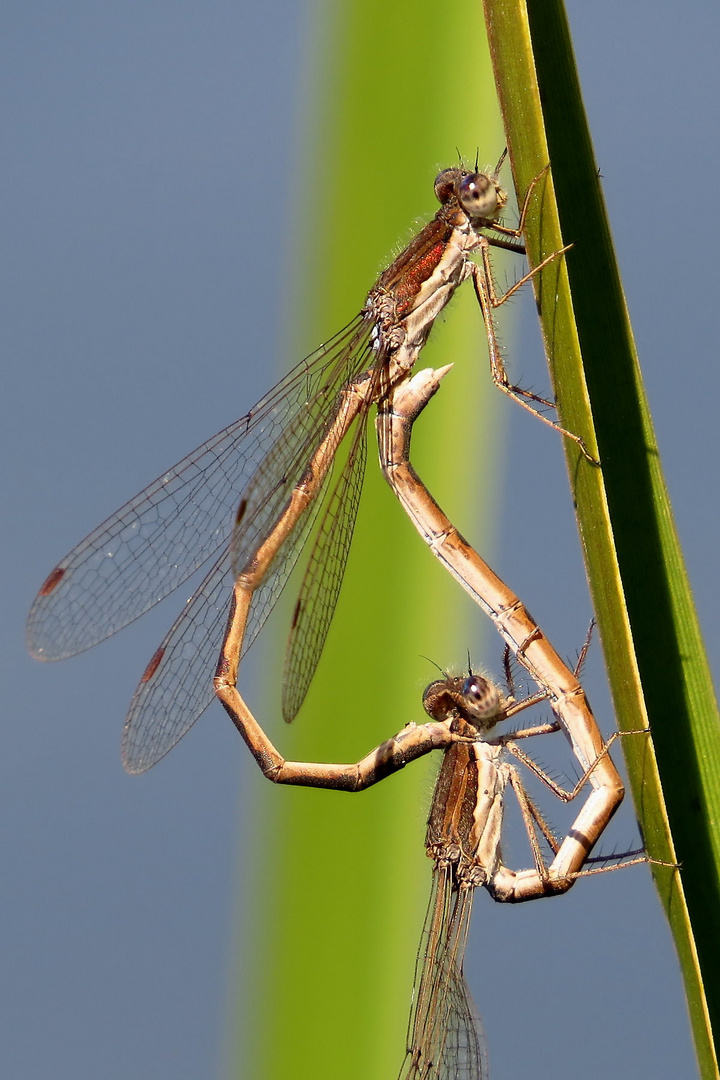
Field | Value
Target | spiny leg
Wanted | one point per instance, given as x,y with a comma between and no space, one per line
489,300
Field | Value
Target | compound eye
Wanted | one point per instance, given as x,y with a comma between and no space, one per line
478,196
445,185
481,698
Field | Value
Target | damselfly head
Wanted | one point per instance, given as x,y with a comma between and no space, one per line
470,697
478,194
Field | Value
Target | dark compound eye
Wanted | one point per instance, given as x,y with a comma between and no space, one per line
478,195
481,698
445,184
475,688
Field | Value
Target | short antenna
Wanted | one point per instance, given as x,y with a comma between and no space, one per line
500,164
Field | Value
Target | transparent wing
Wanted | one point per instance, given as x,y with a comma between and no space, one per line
177,685
161,537
323,577
445,1040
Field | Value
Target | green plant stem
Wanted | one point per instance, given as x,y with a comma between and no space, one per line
341,881
654,652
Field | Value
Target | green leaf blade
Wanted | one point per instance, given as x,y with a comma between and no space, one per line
654,652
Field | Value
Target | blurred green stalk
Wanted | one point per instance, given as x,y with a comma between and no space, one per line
340,882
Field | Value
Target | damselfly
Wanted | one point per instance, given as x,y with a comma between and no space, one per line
445,1039
261,483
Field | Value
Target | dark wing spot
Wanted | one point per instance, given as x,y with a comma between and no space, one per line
153,665
52,581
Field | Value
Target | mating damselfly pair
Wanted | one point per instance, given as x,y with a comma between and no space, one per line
248,501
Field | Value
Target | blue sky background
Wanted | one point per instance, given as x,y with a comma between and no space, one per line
142,263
